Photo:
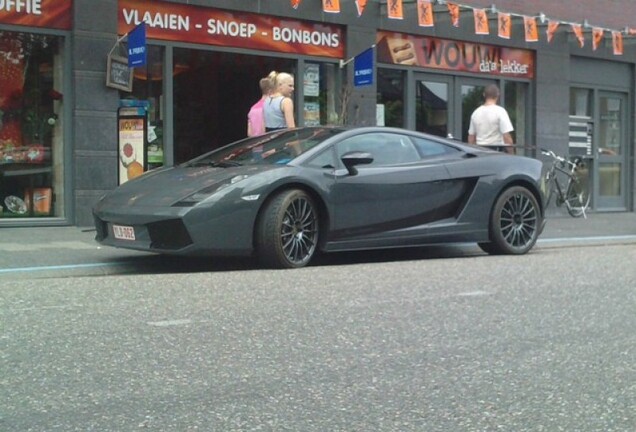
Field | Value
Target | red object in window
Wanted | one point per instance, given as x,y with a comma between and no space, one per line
11,72
55,95
10,137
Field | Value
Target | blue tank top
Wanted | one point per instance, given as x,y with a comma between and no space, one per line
273,113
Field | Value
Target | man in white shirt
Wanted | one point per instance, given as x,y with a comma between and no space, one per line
490,124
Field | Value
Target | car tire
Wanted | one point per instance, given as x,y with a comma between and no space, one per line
515,223
287,231
488,247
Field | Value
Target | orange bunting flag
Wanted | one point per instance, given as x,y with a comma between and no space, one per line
504,25
481,22
360,5
530,26
425,13
395,9
578,32
617,42
453,10
295,3
597,37
551,30
331,6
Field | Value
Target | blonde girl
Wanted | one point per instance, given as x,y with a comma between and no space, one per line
278,108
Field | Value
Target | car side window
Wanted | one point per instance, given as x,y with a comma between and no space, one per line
323,160
430,148
386,148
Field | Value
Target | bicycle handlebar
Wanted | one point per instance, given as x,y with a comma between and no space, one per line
561,159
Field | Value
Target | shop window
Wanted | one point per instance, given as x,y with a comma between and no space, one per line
148,85
31,133
581,102
324,104
390,105
515,100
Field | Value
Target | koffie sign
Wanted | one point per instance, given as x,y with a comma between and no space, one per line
196,24
398,48
55,14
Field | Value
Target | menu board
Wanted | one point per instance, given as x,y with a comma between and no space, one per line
118,74
132,143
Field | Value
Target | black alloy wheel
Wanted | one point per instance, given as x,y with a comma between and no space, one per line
288,229
515,222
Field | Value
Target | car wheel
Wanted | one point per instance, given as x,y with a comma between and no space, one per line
288,228
515,221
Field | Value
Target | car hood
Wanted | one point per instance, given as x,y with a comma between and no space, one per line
166,186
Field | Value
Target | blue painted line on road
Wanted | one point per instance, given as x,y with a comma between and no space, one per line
58,267
588,239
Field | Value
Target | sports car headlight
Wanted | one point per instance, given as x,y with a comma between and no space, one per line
200,195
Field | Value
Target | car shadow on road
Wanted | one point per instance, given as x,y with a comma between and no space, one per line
164,264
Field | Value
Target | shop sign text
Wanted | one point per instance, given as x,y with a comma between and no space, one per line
454,55
37,13
196,24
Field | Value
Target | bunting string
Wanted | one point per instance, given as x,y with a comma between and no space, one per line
426,12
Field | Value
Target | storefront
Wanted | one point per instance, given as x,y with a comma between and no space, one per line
34,74
433,85
204,66
60,127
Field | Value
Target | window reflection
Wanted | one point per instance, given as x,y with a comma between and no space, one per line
432,108
390,98
31,140
516,101
325,97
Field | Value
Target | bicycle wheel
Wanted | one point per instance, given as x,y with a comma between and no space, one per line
577,197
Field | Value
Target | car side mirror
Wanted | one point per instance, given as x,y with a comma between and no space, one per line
351,159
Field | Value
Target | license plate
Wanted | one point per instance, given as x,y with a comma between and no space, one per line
123,232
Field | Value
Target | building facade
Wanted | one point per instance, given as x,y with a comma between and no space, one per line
68,100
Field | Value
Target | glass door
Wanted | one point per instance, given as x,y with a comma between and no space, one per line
444,104
432,110
610,145
471,94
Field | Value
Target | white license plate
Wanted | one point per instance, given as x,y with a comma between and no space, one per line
123,232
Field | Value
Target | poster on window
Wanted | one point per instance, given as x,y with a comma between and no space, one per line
379,114
312,114
311,80
131,152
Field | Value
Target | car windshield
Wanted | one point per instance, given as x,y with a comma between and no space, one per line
278,147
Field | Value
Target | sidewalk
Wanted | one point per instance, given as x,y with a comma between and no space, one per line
72,251
595,225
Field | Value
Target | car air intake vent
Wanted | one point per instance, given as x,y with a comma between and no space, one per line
169,234
100,228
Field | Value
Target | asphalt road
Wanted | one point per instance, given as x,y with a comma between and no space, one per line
439,340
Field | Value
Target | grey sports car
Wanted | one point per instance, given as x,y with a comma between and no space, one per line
287,195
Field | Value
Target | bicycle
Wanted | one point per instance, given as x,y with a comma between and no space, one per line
575,193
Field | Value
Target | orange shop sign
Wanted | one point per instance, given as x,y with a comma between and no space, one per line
55,14
197,24
435,53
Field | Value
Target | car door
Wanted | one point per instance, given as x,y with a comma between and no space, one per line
394,196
